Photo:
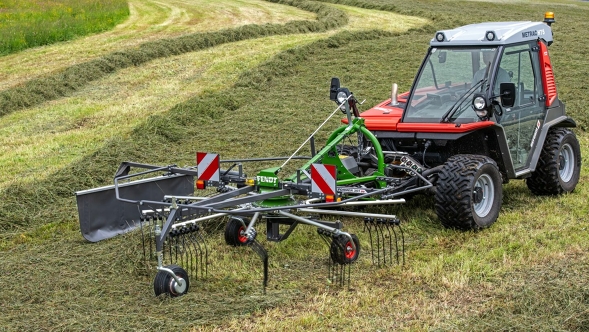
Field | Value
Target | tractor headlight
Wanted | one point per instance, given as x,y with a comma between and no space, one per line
440,37
490,35
479,103
342,96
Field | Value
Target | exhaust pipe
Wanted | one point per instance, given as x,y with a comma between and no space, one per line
394,97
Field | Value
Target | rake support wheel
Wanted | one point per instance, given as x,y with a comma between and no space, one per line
468,192
559,165
164,283
235,232
342,251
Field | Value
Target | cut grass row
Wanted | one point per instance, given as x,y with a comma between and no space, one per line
149,20
30,23
73,78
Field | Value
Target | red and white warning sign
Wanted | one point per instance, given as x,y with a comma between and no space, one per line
323,179
207,166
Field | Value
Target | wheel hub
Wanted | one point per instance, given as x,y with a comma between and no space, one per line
483,195
349,251
242,237
178,287
566,163
477,195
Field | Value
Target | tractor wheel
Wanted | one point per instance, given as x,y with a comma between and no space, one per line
559,166
166,284
342,251
468,192
235,232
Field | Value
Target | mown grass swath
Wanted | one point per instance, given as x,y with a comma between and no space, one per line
30,23
71,79
528,272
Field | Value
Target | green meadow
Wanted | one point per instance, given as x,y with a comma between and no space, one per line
30,23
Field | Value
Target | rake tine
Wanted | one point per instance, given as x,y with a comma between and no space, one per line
367,226
388,228
383,226
402,239
331,266
258,249
143,241
143,237
377,237
392,222
151,236
195,250
185,256
206,266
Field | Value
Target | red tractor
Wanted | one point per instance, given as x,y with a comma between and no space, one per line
482,110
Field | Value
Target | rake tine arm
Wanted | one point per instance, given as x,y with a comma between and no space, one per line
159,240
346,213
223,197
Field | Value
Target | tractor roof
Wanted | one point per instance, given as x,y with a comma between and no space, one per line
493,33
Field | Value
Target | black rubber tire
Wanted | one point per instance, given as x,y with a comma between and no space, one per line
234,232
341,250
555,172
164,283
468,192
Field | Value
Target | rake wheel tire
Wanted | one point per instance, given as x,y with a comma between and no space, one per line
468,192
235,232
341,250
559,165
165,283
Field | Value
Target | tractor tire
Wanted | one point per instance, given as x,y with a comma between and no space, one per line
468,192
165,284
235,232
559,165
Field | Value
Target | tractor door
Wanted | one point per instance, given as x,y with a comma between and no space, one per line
522,121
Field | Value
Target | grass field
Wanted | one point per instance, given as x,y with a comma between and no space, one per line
267,84
29,23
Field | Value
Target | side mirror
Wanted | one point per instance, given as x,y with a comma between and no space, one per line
507,94
333,89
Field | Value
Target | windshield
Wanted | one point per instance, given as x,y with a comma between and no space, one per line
444,87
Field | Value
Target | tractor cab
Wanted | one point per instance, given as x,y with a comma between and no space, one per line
481,89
